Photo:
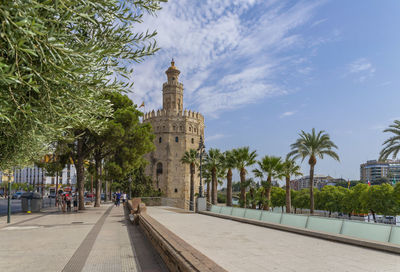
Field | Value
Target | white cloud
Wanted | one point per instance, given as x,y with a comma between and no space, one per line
287,113
362,68
215,137
229,51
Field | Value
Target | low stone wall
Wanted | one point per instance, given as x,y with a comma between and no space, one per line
318,234
176,253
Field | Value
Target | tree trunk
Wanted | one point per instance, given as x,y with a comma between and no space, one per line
242,187
80,174
330,213
214,196
229,188
253,203
208,193
373,215
268,193
191,204
311,188
110,190
34,181
56,189
288,199
98,181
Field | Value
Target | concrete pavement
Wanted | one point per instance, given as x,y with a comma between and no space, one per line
237,246
96,239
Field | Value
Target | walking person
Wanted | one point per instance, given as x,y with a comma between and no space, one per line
63,202
68,199
76,202
123,199
117,199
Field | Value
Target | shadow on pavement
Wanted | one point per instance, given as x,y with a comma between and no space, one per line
147,257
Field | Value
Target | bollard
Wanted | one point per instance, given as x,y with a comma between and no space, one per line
29,206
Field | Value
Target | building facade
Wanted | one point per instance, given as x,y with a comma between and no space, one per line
374,170
37,176
319,182
176,131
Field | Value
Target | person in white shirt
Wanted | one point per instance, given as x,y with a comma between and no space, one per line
123,199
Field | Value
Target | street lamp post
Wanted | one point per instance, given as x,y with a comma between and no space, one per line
201,152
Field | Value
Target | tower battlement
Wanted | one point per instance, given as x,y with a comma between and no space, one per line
161,114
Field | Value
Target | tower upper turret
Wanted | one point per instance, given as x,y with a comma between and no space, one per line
172,90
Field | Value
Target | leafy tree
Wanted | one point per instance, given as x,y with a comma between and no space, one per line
243,159
278,197
190,157
272,166
56,62
293,195
213,161
380,199
329,199
391,145
313,145
142,185
121,144
289,169
228,163
301,199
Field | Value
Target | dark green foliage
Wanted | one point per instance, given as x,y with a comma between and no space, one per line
142,185
236,186
278,197
221,198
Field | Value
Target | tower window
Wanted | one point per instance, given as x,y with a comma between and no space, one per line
192,141
160,140
176,139
176,190
159,168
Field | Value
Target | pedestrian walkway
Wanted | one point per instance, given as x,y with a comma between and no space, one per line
237,246
96,239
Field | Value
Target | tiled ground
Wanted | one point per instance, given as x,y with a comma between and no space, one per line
97,239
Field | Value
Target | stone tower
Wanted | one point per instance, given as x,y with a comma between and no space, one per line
176,131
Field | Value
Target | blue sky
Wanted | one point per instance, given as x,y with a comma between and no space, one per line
261,71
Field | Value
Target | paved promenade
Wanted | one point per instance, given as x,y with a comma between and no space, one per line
97,239
243,247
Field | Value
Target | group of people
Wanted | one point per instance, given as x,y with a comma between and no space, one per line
117,199
64,201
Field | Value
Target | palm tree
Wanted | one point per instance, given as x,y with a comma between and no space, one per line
213,161
190,157
391,145
313,145
272,166
228,164
290,168
206,174
243,158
